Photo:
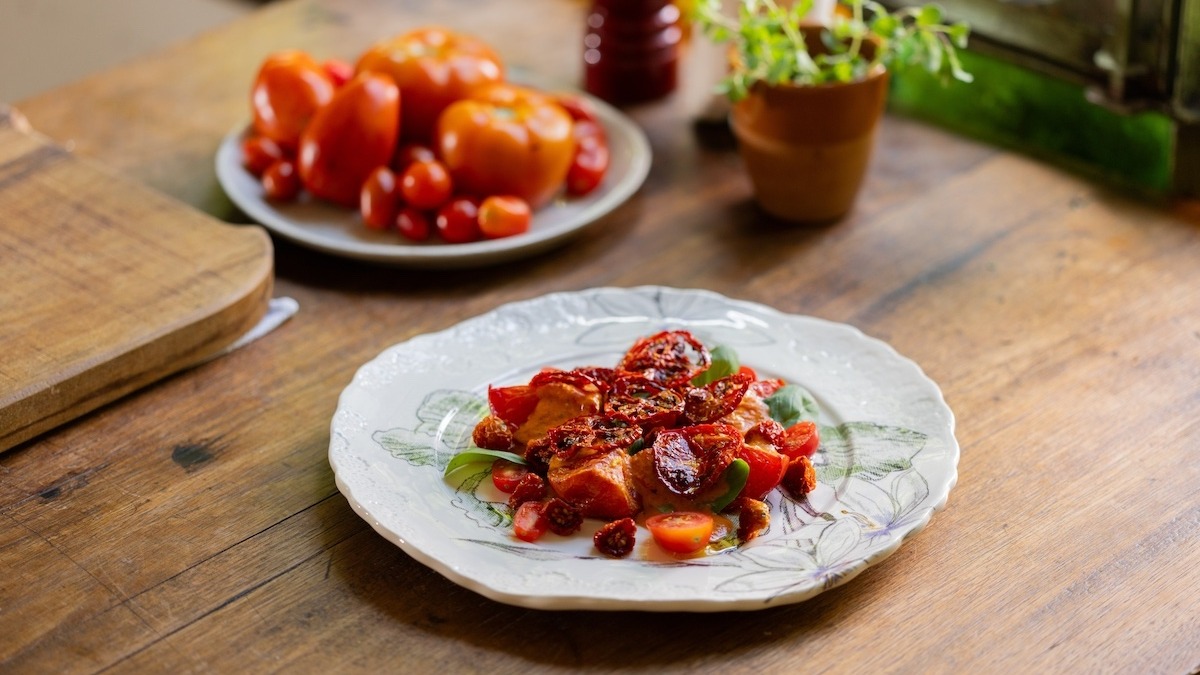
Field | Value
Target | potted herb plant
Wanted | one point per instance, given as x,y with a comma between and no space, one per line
808,96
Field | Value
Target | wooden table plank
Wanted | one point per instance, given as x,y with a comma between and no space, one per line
198,523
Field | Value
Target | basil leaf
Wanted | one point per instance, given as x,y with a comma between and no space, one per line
736,475
636,447
791,404
724,363
477,455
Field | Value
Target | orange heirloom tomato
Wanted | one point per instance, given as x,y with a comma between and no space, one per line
349,138
681,531
507,140
288,91
434,67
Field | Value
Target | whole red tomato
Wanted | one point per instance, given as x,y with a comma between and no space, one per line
433,67
507,140
288,91
349,137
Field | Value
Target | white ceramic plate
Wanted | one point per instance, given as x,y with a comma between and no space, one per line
340,231
887,461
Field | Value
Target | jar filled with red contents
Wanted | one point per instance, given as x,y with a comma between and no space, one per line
631,50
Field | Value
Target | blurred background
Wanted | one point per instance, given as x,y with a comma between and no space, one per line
46,43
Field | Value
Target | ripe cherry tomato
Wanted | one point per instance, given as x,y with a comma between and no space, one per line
349,138
339,71
408,153
801,440
507,140
281,182
288,91
426,185
433,67
506,475
379,199
412,224
458,221
529,522
767,467
259,153
503,216
590,162
748,372
681,531
513,404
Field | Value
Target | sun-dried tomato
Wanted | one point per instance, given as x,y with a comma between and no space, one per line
671,358
754,517
565,519
512,404
575,378
616,539
767,431
538,454
690,459
643,402
715,399
592,435
493,433
801,477
531,487
603,377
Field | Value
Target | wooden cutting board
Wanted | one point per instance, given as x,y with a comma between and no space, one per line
106,285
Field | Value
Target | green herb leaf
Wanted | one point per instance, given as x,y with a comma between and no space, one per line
477,455
930,15
791,404
636,447
724,363
735,476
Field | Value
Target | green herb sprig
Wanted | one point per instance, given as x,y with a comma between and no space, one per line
770,46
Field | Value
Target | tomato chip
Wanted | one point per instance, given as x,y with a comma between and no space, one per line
716,399
691,459
592,435
643,402
671,358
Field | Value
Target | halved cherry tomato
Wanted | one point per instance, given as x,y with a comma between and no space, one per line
506,475
412,224
681,531
671,358
339,71
259,153
767,464
426,184
458,221
512,404
507,140
529,522
280,181
379,199
289,89
504,216
748,372
801,439
349,137
434,67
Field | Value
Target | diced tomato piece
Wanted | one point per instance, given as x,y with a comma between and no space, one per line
681,531
512,404
765,388
529,522
767,467
801,439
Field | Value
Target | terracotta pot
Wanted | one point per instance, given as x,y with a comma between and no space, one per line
806,148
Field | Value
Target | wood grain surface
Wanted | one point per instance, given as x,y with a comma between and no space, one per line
108,285
195,526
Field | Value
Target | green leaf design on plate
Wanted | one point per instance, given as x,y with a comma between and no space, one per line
445,420
486,514
406,445
866,450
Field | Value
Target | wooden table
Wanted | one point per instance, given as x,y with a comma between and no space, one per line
195,526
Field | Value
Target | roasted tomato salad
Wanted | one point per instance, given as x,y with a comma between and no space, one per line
684,440
423,136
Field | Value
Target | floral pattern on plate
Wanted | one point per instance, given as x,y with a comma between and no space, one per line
887,461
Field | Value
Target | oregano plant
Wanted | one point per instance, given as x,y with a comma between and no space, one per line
770,47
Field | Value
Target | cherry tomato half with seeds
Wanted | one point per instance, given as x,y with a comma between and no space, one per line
681,531
506,475
504,216
379,199
426,185
801,440
513,404
281,181
458,221
412,224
